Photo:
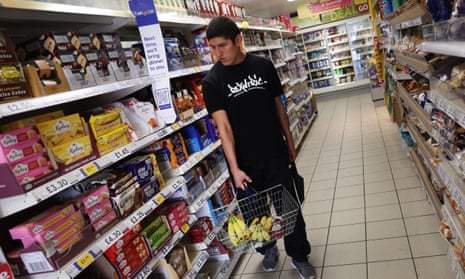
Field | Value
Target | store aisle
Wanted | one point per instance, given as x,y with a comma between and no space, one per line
366,213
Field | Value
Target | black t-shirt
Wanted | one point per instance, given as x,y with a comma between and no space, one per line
246,92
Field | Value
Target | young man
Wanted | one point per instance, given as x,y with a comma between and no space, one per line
242,93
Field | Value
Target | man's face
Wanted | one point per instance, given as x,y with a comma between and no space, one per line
228,52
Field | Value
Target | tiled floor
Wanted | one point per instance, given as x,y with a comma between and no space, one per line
367,215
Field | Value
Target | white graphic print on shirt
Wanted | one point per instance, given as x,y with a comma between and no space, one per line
241,87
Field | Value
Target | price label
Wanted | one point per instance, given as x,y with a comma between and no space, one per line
158,199
175,186
185,228
162,133
136,218
110,239
144,273
90,169
56,186
167,248
122,153
16,107
176,126
210,237
197,69
85,260
199,203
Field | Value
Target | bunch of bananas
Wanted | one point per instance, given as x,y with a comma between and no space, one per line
237,230
260,228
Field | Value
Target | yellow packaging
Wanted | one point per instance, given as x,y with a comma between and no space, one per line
113,140
72,151
31,121
62,130
105,122
157,172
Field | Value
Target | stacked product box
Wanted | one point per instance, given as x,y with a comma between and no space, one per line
176,214
113,56
173,54
170,152
199,232
45,237
127,256
156,232
13,84
201,44
68,142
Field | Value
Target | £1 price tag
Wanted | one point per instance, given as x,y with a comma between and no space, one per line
158,199
90,169
85,260
185,228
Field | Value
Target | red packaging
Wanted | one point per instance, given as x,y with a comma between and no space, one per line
131,236
124,253
5,271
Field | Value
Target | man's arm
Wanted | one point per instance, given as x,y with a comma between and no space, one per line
284,122
227,140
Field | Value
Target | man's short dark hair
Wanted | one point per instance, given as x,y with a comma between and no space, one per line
222,26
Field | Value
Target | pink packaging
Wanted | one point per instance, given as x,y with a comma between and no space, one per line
105,220
34,174
23,151
26,166
99,210
94,197
18,136
68,243
41,222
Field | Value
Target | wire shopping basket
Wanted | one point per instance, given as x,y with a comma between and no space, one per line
259,218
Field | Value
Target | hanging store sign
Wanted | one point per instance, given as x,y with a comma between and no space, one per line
323,8
154,48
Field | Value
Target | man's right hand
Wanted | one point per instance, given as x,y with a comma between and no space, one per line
241,179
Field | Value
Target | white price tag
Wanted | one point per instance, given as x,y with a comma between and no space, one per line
210,237
121,153
168,247
16,107
135,218
110,239
199,203
53,187
144,273
162,133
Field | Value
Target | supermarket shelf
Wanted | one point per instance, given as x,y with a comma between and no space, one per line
316,49
98,247
345,75
341,58
175,239
302,103
256,48
279,65
338,43
362,37
305,129
456,265
190,71
343,66
453,182
336,35
302,79
415,107
398,75
226,269
428,186
284,81
348,85
298,53
318,59
17,203
313,41
365,53
294,82
410,59
339,50
362,29
414,16
32,104
323,78
194,159
319,69
453,221
293,125
291,107
452,48
199,261
212,235
207,194
361,46
289,58
452,105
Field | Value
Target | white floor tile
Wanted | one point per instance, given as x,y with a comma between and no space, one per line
293,274
317,221
351,156
388,249
417,208
317,237
375,159
379,187
263,275
377,176
403,173
398,269
255,263
410,195
349,191
320,167
385,229
400,164
323,184
381,199
349,181
347,253
317,207
347,233
434,267
343,204
407,182
350,171
316,258
348,217
324,175
241,264
376,167
353,271
428,245
422,224
382,213
350,163
320,195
